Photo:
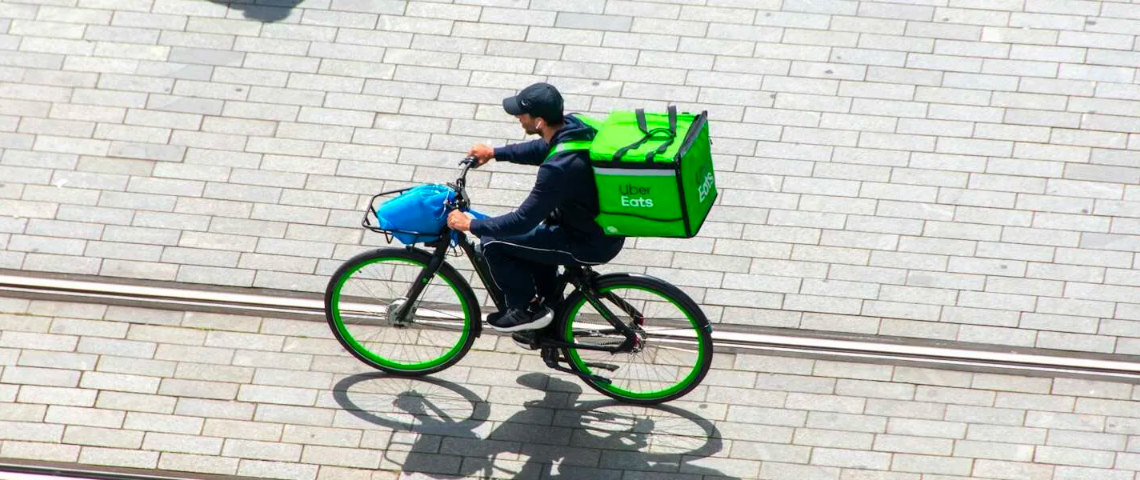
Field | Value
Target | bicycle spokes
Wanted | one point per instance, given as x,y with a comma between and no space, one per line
371,299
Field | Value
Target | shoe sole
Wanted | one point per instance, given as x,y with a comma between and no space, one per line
542,322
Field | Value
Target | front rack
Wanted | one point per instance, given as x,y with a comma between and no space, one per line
389,233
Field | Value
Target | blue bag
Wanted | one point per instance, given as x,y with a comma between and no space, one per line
419,214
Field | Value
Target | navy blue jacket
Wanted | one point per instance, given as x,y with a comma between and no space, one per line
564,187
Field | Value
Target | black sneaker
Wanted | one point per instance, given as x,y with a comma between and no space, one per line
517,319
551,303
495,316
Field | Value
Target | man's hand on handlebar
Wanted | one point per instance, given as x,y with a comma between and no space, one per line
457,220
483,153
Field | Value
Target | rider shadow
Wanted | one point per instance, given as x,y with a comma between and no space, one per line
265,11
560,437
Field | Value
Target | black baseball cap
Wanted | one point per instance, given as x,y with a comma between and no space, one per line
539,100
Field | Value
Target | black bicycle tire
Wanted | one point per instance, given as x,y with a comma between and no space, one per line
446,270
703,331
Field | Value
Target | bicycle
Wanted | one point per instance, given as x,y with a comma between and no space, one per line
366,322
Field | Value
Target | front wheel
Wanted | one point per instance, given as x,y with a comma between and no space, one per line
364,295
674,347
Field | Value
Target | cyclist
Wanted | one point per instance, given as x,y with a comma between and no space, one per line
553,226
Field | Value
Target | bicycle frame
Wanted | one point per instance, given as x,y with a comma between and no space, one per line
581,278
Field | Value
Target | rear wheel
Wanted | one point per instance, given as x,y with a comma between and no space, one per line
361,304
674,347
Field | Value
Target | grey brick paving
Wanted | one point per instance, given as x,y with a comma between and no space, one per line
962,145
250,411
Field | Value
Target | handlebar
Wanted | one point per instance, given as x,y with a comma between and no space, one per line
460,185
469,162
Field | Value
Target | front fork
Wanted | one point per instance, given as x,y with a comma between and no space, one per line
425,276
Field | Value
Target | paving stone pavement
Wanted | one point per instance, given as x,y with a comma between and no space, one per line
276,398
945,169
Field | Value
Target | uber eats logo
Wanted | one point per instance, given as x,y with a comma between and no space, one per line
628,198
705,176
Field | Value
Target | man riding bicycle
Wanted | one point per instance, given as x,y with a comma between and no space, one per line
554,225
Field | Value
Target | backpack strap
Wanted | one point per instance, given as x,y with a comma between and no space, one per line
588,120
670,134
571,145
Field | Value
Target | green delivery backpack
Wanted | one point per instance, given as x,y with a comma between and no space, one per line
653,171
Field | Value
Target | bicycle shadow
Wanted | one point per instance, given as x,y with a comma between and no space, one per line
555,437
265,11
398,404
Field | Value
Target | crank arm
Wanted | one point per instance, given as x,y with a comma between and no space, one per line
554,343
552,360
604,366
595,378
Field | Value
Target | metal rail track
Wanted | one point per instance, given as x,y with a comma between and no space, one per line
837,347
13,469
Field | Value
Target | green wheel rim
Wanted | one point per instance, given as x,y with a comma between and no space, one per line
357,347
569,335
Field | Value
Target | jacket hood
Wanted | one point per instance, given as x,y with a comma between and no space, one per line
573,129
